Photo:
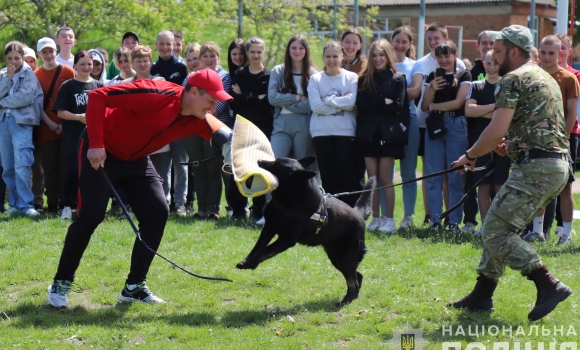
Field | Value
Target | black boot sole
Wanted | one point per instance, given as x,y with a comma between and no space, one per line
485,306
539,311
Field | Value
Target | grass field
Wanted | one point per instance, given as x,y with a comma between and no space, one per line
286,303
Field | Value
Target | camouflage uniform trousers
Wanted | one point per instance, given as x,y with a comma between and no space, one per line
530,186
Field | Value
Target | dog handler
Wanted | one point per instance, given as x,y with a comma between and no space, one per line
529,112
125,123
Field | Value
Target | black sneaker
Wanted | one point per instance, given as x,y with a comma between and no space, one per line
453,228
427,220
139,293
436,227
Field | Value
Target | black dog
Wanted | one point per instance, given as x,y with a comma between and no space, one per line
299,213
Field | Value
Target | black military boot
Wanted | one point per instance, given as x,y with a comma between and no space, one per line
480,298
550,292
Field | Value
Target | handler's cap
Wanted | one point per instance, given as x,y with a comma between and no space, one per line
45,42
519,35
211,82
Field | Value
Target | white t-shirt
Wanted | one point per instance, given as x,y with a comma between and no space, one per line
425,66
70,62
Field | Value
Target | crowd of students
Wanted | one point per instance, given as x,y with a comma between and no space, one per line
358,115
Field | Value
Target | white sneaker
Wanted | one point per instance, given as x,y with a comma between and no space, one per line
11,210
58,293
479,232
558,231
388,226
375,224
261,222
66,213
181,211
468,227
31,212
406,222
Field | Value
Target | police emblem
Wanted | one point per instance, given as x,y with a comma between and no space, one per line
407,338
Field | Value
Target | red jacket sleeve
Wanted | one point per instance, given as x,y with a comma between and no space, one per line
140,96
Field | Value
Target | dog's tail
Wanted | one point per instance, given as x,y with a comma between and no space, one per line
363,204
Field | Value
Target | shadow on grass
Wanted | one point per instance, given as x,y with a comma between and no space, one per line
26,315
434,237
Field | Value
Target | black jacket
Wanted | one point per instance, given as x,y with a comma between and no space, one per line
247,104
392,119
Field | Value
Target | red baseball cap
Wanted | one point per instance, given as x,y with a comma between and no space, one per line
211,82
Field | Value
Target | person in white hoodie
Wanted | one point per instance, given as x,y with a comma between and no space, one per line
332,96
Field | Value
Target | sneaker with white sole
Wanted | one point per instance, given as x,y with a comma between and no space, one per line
31,212
139,293
11,210
181,211
407,222
468,227
375,224
58,293
66,213
388,226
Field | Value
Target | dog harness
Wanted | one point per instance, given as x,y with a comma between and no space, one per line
319,219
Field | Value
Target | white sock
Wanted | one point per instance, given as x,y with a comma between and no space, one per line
567,229
539,224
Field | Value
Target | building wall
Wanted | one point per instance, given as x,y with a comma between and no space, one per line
474,20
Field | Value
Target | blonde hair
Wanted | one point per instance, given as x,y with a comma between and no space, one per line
370,70
331,44
210,47
120,52
192,47
141,51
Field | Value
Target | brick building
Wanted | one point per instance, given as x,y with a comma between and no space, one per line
473,15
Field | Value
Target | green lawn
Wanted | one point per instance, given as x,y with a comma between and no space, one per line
408,278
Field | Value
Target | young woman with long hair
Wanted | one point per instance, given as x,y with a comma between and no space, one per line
288,93
19,112
332,95
381,101
192,57
402,42
445,99
250,93
237,56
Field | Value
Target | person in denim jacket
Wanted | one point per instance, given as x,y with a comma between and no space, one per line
21,100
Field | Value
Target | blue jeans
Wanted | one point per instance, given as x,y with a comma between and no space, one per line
178,153
439,154
16,153
408,166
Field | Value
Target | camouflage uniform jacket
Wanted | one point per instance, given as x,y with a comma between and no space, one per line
538,121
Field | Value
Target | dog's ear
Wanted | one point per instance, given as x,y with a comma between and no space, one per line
303,174
307,161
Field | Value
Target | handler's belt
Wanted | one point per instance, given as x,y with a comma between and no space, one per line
538,153
318,219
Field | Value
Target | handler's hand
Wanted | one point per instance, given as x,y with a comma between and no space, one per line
501,148
463,161
97,157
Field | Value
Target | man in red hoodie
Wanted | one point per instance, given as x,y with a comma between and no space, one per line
125,123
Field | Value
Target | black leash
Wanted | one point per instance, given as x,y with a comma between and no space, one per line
466,195
138,233
208,160
461,167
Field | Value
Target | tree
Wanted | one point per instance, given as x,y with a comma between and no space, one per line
29,20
